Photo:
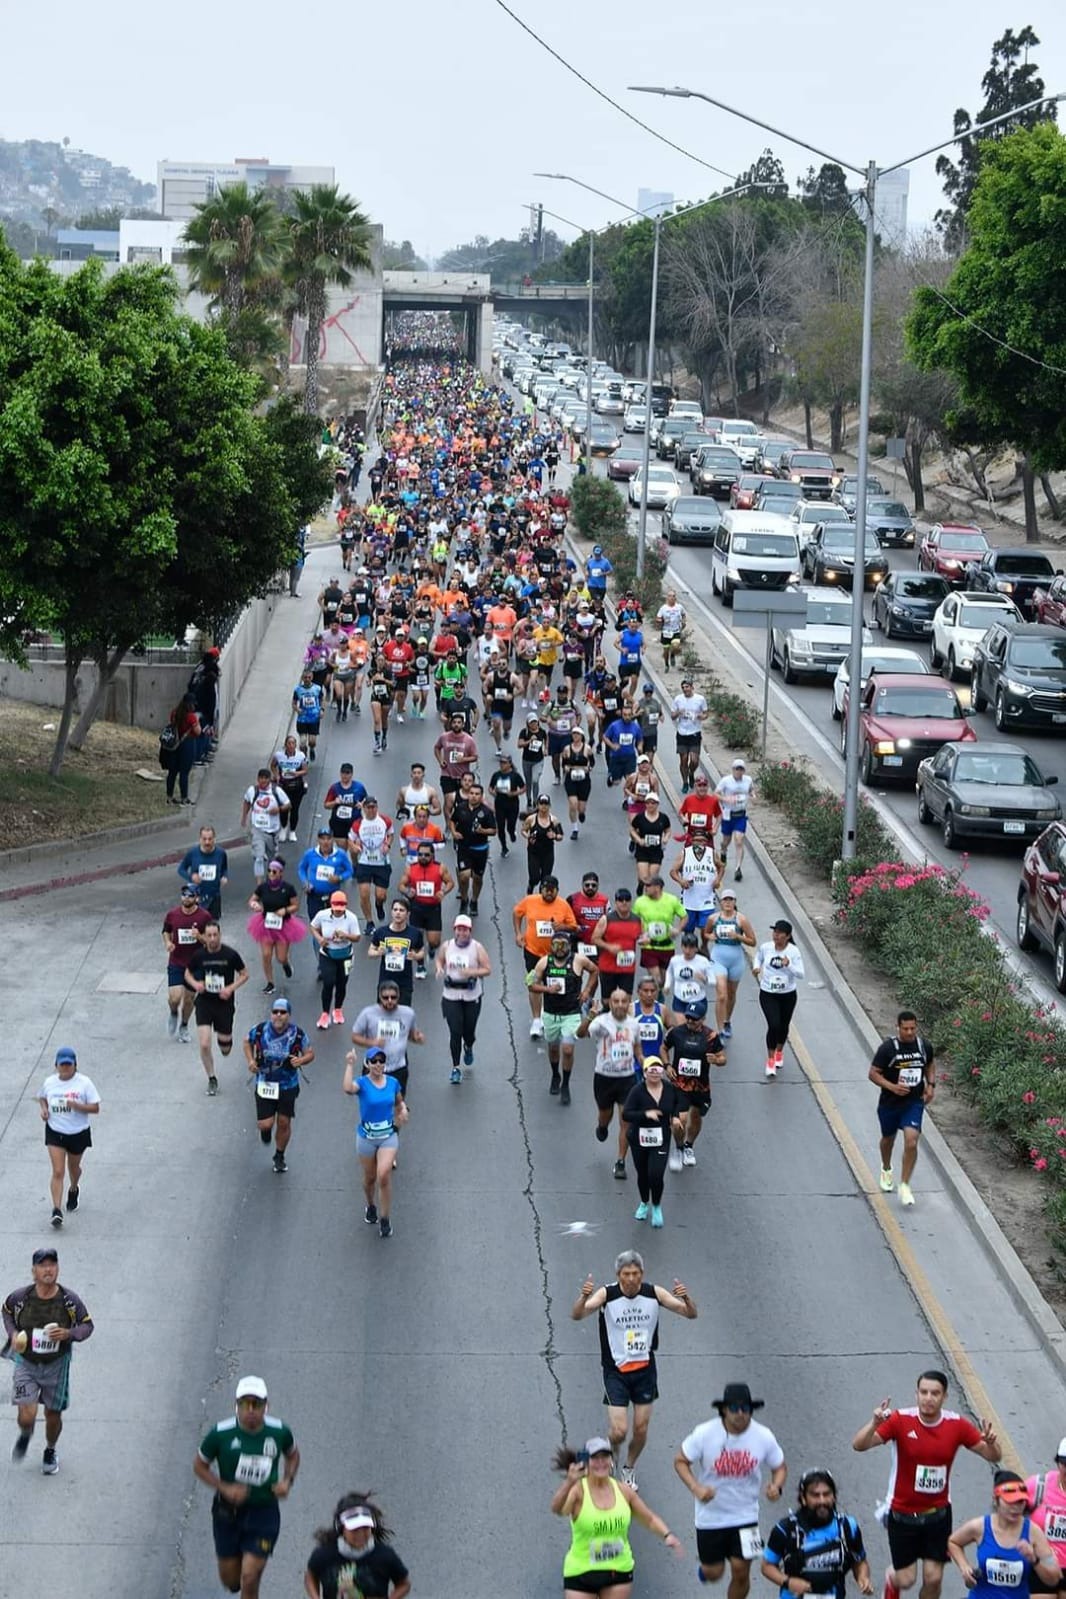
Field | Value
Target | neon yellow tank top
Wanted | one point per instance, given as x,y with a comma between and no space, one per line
599,1539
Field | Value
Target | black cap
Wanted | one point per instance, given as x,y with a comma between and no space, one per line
623,893
41,1255
782,925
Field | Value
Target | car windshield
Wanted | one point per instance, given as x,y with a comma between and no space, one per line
746,430
692,441
893,663
921,588
963,541
918,702
775,503
778,546
821,463
718,457
981,616
844,539
999,768
1031,565
630,452
827,613
824,513
1041,654
706,510
888,508
660,474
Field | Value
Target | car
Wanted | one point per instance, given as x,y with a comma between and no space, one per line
986,790
777,489
1049,603
891,521
774,504
626,460
906,602
813,470
878,658
610,402
744,437
561,403
1020,669
946,548
685,449
771,453
662,487
816,647
959,621
846,492
714,469
1015,573
806,515
1041,917
634,418
661,396
742,494
902,719
604,439
690,411
691,519
671,430
633,391
829,556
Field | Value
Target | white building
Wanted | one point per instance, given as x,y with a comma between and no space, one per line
653,202
157,242
183,185
890,206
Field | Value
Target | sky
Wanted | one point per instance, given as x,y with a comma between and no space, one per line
436,116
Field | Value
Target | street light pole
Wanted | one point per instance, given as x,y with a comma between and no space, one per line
642,525
588,369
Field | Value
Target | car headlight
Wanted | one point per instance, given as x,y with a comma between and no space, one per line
897,610
1004,588
800,646
1012,686
974,810
903,743
1047,816
884,746
733,574
828,575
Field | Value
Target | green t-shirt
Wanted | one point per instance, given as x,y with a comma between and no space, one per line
658,916
251,1458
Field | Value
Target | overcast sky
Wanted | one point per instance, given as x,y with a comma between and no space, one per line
435,116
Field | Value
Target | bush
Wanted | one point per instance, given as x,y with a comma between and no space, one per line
818,815
738,723
596,508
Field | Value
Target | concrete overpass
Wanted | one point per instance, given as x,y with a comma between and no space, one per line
477,296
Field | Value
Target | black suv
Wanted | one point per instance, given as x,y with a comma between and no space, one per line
1019,668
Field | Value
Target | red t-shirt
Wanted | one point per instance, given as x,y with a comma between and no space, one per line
622,930
183,926
588,912
698,810
923,1456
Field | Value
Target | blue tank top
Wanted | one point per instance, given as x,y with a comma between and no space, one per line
1000,1570
377,1106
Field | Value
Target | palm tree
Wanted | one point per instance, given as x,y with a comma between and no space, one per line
329,241
233,247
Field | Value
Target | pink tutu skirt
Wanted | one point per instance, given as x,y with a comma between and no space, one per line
294,931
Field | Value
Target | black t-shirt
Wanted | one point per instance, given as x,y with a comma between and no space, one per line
373,1576
903,1063
275,896
216,970
689,1046
468,821
508,785
652,834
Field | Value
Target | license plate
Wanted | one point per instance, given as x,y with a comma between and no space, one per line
1058,716
892,760
927,627
1014,827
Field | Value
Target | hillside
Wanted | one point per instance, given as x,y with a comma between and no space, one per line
45,184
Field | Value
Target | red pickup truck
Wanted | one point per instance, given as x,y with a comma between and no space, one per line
902,719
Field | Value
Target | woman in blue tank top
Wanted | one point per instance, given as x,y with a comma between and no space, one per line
1009,1545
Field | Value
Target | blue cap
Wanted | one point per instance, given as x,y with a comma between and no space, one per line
597,549
66,1056
280,1003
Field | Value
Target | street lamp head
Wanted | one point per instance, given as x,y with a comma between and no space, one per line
675,93
562,177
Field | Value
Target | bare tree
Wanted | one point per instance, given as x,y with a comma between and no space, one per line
711,269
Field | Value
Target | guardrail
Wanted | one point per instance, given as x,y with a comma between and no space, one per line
540,291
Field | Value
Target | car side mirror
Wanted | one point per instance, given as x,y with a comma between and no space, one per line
968,710
1049,782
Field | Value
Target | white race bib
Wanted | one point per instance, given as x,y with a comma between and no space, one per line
1004,1573
267,1090
555,985
545,929
58,1105
388,1029
911,1076
264,820
605,1551
424,889
650,1137
41,1344
1055,1526
344,812
621,1051
273,920
187,935
207,874
589,951
395,960
625,959
656,929
214,982
636,1341
649,1031
624,739
578,774
253,1470
750,1543
324,874
930,1479
687,1067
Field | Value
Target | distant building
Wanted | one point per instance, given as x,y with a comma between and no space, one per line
183,185
891,206
85,244
160,243
653,202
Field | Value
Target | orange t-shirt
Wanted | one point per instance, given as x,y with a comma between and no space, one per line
542,917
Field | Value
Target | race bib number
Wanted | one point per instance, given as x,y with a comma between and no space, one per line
545,929
394,962
649,1032
263,820
622,1052
656,929
636,1342
273,920
187,935
324,874
1055,1526
688,993
501,694
578,774
376,1131
267,1090
625,959
589,951
1004,1573
911,1076
424,890
344,812
650,1137
388,1030
605,1551
750,1543
253,1470
624,740
556,985
214,982
41,1344
207,874
59,1105
687,1067
775,982
930,1479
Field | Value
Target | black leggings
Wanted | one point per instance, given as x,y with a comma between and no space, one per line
650,1167
334,978
506,817
461,1017
777,1008
296,796
540,858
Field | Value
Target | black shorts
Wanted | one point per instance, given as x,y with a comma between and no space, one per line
308,727
579,791
530,959
649,857
610,1091
699,1101
1038,1585
73,1143
622,1388
471,860
284,1105
426,917
688,741
609,981
244,1529
597,1581
216,1013
716,1545
924,1539
574,669
449,785
378,875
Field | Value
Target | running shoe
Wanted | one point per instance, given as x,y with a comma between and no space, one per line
212,1087
370,1215
338,1017
641,1212
73,1197
726,1030
323,1020
674,1162
656,1215
421,974
265,1135
22,1443
457,1075
57,1217
268,988
887,1182
183,1034
771,1066
906,1198
620,1170
172,1022
628,1476
738,876
385,1227
536,1028
473,907
400,719
285,966
601,1133
779,1057
573,832
49,1461
555,1084
468,1056
280,1163
688,1156
564,1092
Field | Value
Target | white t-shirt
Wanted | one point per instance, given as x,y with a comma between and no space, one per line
340,932
774,976
691,707
734,793
689,978
64,1100
672,618
732,1465
265,814
614,1044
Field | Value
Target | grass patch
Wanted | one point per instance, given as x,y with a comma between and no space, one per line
98,788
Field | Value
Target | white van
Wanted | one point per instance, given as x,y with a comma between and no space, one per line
753,550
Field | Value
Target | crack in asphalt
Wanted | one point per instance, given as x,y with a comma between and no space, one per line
549,1354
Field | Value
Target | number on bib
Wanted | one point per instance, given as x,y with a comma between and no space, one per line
910,1076
686,1067
930,1479
253,1470
650,1137
625,959
41,1344
267,1090
273,920
750,1543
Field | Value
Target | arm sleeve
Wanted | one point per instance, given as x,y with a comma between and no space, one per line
795,960
82,1323
208,1450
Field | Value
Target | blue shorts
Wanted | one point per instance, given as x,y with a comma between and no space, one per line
176,976
697,919
244,1529
729,958
896,1114
734,824
378,875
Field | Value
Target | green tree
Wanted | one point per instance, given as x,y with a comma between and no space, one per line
1011,80
329,241
769,173
825,192
401,257
233,249
999,324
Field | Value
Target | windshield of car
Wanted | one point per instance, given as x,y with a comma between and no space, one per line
999,768
963,541
714,455
775,503
692,441
1042,654
660,474
981,616
893,663
823,513
806,459
918,702
745,430
843,538
1029,564
921,588
630,452
706,509
778,546
828,613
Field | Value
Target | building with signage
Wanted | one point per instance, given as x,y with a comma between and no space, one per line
183,185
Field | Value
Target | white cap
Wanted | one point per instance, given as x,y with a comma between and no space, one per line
352,1520
1060,1453
251,1388
739,762
462,921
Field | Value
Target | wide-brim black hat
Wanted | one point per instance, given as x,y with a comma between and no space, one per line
738,1393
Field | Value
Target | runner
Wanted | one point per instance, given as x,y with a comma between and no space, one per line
651,1116
542,830
778,967
729,935
390,1026
336,932
621,738
214,975
1047,1495
925,1439
426,883
381,1112
501,687
354,1555
249,1461
903,1070
183,927
688,712
697,874
402,951
417,793
323,870
557,976
629,1336
734,796
670,619
206,867
462,964
600,1559
616,936
813,1548
1011,1551
689,979
381,697
274,924
693,1048
369,843
421,830
532,745
276,1050
308,703
700,812
662,916
456,753
649,829
66,1100
721,1463
507,788
650,1017
588,906
41,1322
473,826
616,1034
342,801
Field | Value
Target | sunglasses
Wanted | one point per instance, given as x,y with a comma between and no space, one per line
281,1010
740,1410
